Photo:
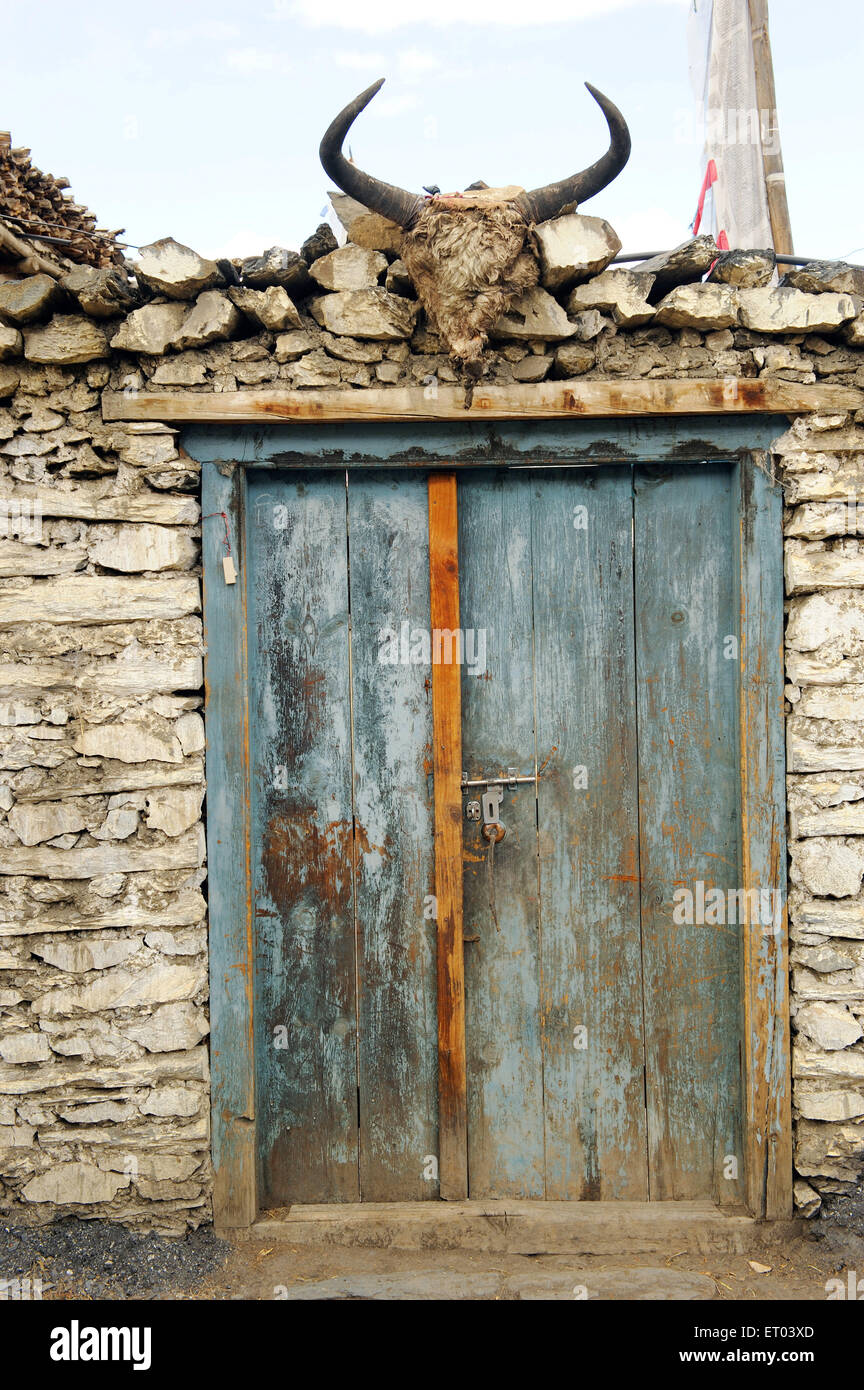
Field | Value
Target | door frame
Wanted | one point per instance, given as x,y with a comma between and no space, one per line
226,453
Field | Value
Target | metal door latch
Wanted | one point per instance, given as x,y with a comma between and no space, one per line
472,810
490,802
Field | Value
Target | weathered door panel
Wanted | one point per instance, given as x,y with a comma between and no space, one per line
502,949
598,660
302,828
392,720
687,663
588,829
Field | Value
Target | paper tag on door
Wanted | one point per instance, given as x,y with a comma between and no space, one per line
229,569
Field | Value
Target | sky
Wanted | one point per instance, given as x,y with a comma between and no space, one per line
201,119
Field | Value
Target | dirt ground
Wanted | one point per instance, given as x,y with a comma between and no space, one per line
102,1261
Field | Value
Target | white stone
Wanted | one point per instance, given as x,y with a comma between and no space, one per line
120,988
808,568
349,267
172,1100
785,310
828,867
174,809
573,248
11,342
807,1200
119,824
77,957
704,307
151,329
147,738
74,1184
623,292
189,729
835,617
366,228
82,598
211,319
272,308
372,313
66,339
827,1025
290,346
175,270
534,315
24,1047
34,822
172,1028
135,549
183,852
815,1104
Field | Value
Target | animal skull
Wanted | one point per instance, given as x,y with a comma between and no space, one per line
470,254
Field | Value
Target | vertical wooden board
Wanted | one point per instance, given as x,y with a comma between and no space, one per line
502,966
687,668
763,847
303,839
589,860
231,952
394,858
447,766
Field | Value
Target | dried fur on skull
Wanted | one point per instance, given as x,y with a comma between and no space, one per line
468,264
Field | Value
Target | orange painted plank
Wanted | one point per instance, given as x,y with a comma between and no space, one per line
447,767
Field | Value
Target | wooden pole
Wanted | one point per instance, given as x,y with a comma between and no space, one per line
772,155
447,771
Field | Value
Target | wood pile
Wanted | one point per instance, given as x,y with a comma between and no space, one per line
37,207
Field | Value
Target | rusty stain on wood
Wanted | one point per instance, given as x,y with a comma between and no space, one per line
544,400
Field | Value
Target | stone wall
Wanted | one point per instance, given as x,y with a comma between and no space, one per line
103,951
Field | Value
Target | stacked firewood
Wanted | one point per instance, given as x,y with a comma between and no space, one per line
37,206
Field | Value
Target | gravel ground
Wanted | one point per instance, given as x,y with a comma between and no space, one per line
100,1259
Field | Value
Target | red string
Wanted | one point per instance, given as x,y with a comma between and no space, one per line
224,516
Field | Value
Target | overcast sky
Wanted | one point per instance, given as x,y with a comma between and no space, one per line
201,120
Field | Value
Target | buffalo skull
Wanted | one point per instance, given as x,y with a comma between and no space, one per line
470,254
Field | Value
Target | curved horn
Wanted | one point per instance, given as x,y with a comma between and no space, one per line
384,198
542,203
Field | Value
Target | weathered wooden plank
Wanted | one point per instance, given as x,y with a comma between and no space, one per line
303,833
687,692
767,1069
502,952
231,951
447,771
393,837
589,857
546,400
477,443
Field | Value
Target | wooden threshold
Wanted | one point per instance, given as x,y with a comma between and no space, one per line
518,1226
579,399
447,772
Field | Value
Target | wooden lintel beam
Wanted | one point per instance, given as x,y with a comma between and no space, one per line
579,399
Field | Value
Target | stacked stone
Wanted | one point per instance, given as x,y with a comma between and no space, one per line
103,1065
823,463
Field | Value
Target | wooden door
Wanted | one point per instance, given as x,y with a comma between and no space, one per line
602,1038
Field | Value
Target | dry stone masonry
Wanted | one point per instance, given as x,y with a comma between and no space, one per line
103,945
